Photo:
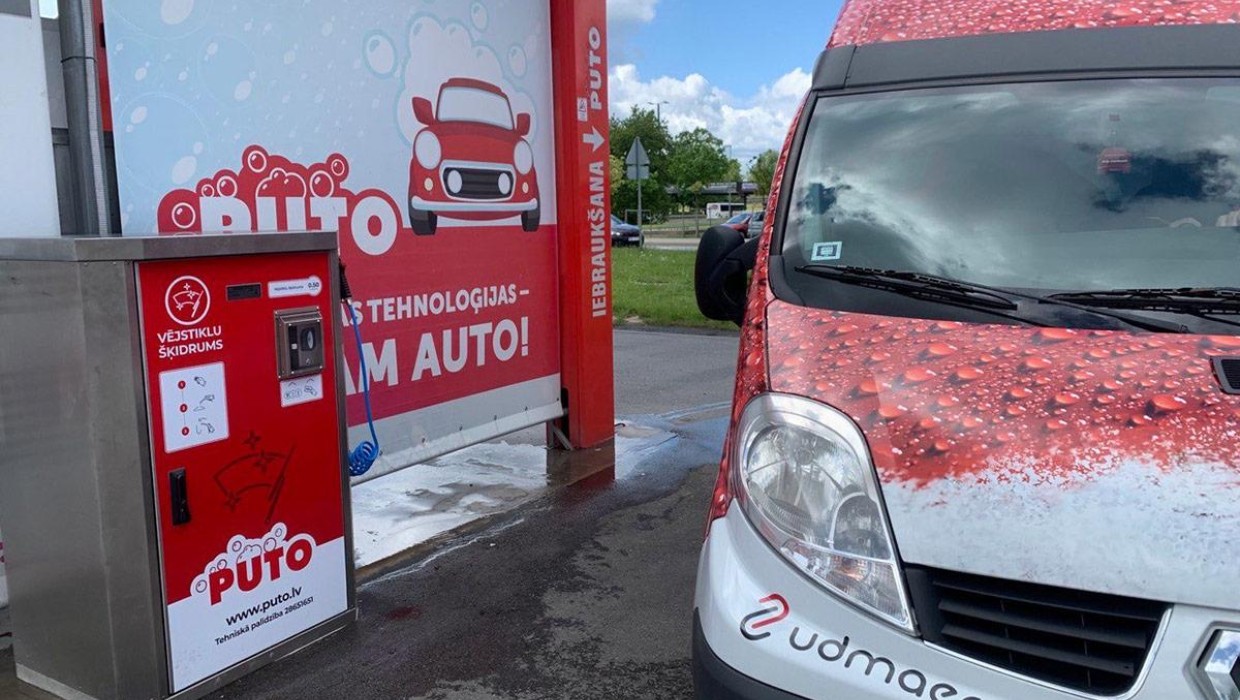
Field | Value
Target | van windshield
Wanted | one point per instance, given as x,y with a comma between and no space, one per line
1050,187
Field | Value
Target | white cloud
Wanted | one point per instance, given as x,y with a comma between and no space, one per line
630,10
749,125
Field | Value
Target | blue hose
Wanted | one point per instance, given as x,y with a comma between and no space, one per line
363,457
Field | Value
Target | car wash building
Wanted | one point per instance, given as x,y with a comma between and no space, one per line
458,151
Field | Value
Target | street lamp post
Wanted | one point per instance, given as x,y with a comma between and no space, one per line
658,109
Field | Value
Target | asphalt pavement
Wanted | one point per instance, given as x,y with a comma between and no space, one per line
584,593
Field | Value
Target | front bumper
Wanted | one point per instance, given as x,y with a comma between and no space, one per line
825,649
714,679
513,207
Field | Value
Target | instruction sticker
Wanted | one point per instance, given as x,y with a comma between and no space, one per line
194,406
827,251
309,287
294,392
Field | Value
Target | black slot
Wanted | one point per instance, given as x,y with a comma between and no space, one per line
1228,371
241,292
178,497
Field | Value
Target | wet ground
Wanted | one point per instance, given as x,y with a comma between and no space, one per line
582,592
586,593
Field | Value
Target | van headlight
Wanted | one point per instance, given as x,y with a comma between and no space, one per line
805,480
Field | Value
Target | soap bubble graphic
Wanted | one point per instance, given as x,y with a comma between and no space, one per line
174,12
517,62
479,16
184,169
380,54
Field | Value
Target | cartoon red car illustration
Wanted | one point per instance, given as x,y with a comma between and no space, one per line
471,161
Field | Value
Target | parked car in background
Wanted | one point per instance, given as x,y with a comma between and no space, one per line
740,222
756,224
723,210
626,234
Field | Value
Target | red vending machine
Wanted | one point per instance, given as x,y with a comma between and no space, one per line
234,387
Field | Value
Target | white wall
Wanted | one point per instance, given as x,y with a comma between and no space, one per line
28,204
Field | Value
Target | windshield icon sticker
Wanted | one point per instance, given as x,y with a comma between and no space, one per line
827,251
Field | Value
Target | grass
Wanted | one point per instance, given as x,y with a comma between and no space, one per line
655,288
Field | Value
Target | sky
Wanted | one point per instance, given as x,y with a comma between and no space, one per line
736,67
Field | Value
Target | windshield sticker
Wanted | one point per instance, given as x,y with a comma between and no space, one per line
827,251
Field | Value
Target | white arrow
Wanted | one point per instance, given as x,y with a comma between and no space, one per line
594,138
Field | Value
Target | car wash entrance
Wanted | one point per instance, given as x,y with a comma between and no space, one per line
441,141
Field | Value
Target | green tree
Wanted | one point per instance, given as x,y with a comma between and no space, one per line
654,135
618,170
697,157
762,171
643,123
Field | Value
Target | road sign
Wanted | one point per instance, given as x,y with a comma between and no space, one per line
638,161
638,168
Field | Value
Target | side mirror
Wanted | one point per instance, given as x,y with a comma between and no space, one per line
423,111
524,124
721,275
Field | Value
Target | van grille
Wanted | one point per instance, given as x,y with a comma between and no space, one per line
1083,641
1228,370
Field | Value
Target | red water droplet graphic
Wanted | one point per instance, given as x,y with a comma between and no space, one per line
1067,398
1055,425
1167,403
1018,393
972,422
1068,407
891,412
968,374
1036,364
867,387
947,401
1055,335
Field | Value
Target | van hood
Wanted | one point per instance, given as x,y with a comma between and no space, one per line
1095,460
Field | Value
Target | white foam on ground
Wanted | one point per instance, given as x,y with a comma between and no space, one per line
402,510
1127,527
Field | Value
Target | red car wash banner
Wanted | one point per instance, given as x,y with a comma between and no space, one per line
423,131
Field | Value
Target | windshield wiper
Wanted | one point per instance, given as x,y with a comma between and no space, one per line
968,294
1195,301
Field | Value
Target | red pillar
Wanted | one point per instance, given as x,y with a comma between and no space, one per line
582,120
